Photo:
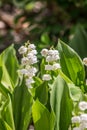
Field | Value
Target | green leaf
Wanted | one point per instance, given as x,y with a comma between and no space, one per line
10,61
4,90
42,118
42,93
22,104
4,125
61,104
75,92
7,114
64,77
79,41
45,38
71,63
5,78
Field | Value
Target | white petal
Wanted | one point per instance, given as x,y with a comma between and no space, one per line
56,66
46,77
31,47
76,119
22,50
48,67
83,105
44,52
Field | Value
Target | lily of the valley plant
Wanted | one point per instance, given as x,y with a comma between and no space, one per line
49,93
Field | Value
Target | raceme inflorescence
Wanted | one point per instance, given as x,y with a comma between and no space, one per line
28,60
51,57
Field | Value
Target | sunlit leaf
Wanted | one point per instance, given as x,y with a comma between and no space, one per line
8,56
71,63
22,104
42,93
43,119
61,104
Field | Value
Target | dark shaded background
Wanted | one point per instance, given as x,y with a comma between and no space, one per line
43,22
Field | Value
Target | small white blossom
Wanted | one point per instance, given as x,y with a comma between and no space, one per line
22,50
34,52
32,59
56,57
56,66
30,55
85,61
31,47
83,117
77,128
24,61
29,81
31,71
76,119
52,58
56,52
49,59
51,52
46,77
23,71
83,105
48,67
83,125
44,52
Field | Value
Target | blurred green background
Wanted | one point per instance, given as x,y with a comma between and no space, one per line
43,23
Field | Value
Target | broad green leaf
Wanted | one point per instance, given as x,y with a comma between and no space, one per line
71,63
5,78
43,119
10,61
7,114
64,77
75,92
42,93
4,125
22,103
5,91
79,41
61,103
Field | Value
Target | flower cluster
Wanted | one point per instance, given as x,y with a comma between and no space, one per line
28,60
85,61
80,121
51,57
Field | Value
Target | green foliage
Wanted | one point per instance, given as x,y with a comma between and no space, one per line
79,41
61,103
7,116
43,119
71,64
22,103
49,104
8,57
41,93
